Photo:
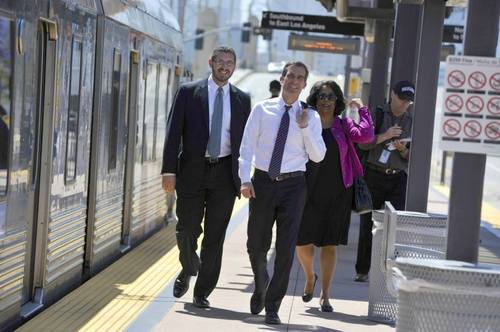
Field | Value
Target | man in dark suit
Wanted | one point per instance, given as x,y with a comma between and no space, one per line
200,162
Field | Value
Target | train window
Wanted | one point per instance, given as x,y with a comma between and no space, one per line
163,96
6,88
149,112
115,109
73,111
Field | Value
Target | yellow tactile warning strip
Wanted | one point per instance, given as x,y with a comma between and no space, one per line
117,295
488,212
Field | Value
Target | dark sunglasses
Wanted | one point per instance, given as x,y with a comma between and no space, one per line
324,96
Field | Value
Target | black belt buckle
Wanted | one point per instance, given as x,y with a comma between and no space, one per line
211,160
390,171
279,178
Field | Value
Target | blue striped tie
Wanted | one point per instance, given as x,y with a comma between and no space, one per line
216,127
279,146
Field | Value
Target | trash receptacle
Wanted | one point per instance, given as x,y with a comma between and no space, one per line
417,235
447,296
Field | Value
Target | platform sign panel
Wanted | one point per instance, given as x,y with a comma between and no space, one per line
471,105
350,46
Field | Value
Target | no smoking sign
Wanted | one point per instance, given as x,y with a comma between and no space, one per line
477,80
472,129
474,104
492,130
454,103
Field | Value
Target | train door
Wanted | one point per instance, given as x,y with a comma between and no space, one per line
131,141
109,132
37,233
65,71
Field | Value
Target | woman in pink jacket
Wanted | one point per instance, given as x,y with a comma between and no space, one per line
327,214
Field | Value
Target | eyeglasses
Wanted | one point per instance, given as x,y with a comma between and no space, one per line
324,96
221,63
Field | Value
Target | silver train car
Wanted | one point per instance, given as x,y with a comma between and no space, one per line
85,89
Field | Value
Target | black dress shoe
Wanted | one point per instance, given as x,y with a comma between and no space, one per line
181,284
257,302
308,296
272,318
361,277
201,302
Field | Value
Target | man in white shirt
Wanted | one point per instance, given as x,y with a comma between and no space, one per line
200,162
280,136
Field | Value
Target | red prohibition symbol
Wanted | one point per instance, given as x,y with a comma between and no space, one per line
454,103
495,81
474,104
492,130
451,127
456,78
494,106
472,129
477,80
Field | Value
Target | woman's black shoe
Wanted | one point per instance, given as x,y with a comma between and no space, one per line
308,296
325,306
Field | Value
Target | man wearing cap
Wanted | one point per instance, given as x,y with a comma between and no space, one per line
386,165
274,88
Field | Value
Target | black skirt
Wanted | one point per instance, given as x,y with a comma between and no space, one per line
327,214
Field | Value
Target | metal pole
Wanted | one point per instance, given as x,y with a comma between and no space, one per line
481,34
406,33
443,166
347,75
425,105
380,64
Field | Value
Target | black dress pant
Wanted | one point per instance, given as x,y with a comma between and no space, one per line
383,188
283,202
212,202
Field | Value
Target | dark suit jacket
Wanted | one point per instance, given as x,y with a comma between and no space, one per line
187,137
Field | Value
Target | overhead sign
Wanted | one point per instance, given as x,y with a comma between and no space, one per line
453,34
471,105
310,23
348,46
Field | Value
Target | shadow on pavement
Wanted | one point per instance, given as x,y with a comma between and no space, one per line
218,313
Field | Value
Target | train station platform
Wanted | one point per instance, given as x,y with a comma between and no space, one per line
135,293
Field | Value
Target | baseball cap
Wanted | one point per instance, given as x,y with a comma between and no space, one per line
404,90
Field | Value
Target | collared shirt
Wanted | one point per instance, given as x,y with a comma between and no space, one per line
260,134
396,159
225,138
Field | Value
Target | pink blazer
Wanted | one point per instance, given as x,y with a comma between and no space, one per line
347,132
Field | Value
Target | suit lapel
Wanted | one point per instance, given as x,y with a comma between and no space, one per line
235,115
202,94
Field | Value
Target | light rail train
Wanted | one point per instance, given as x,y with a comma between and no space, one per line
85,87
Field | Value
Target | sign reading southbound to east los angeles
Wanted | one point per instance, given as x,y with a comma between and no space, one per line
310,23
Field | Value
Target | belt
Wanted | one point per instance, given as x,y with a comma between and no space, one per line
284,176
386,171
215,161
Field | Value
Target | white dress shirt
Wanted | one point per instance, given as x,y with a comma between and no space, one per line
225,138
260,134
